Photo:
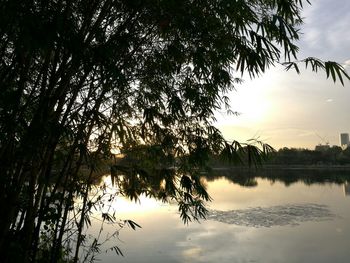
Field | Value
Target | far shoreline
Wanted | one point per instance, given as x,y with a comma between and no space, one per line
330,167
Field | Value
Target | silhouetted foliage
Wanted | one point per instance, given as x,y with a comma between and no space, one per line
82,78
329,156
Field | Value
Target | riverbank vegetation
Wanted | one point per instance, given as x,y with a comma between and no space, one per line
81,80
334,155
285,157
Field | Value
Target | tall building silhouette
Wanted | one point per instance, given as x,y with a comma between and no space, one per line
344,140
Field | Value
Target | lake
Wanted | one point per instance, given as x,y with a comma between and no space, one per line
268,216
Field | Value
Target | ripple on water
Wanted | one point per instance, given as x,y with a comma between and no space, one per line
281,215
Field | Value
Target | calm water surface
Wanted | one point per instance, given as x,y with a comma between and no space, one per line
267,222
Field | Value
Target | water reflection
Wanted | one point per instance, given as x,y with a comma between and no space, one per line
248,177
284,216
347,189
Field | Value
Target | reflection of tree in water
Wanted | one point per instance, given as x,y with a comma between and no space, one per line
248,177
236,176
136,175
162,183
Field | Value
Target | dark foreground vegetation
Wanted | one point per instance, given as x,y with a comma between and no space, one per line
82,79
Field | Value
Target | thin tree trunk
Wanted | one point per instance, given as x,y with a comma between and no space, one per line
82,217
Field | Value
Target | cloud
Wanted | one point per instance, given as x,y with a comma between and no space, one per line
346,64
306,134
326,30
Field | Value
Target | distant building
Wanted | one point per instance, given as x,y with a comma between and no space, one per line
322,147
344,140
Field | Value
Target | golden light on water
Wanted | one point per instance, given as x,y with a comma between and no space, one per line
123,204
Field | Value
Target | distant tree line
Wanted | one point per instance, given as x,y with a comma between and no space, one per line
334,155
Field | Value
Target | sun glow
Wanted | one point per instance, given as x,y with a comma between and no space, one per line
250,100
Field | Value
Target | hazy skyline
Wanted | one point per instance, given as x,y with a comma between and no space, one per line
286,109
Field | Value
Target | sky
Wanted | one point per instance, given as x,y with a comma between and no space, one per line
285,109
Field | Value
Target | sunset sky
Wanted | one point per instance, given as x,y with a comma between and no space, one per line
286,109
